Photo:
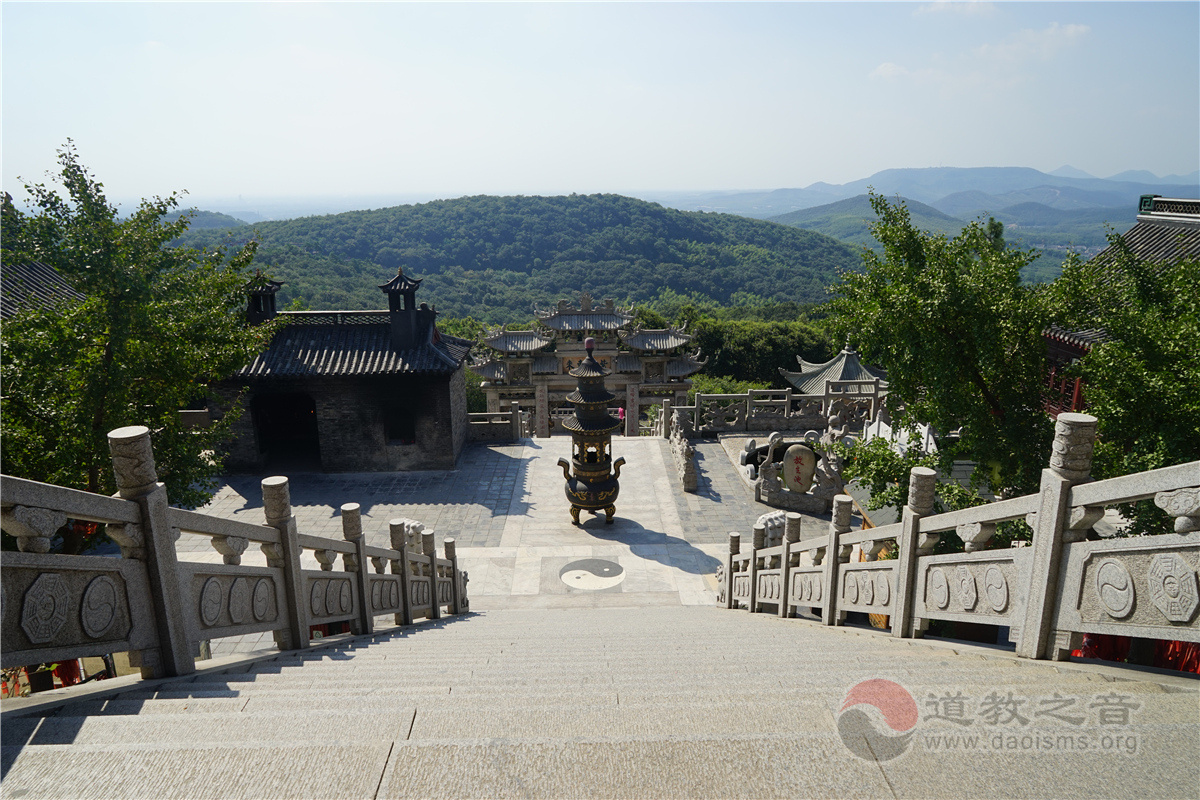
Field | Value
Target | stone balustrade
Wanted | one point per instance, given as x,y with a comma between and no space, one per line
500,426
777,410
1047,594
158,608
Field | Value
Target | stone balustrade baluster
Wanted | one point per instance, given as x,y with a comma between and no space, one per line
1184,506
975,535
35,527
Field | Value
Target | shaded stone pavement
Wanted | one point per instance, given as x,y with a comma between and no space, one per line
504,505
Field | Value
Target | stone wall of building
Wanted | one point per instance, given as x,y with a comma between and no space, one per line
352,419
458,410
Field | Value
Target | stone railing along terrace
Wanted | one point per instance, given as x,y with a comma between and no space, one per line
158,608
1048,594
500,426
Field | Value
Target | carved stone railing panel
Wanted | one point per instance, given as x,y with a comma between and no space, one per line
984,587
385,594
867,586
806,588
1143,586
228,600
58,607
721,413
331,596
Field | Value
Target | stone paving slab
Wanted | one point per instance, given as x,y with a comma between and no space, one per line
106,772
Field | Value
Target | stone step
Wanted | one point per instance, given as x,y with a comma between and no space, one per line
216,772
330,726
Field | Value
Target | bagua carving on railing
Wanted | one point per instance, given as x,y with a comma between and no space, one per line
59,607
1048,594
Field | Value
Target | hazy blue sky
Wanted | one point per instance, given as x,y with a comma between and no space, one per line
265,99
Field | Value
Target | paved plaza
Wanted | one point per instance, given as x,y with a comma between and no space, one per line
505,507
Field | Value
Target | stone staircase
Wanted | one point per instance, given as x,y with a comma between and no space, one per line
609,702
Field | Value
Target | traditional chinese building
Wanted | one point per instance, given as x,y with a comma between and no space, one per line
352,391
844,377
533,367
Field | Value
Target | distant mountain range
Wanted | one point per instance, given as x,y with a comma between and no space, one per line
1054,231
987,189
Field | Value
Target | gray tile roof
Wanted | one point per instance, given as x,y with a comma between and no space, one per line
517,341
32,284
845,366
490,370
589,321
666,339
1158,238
305,349
545,365
683,367
1084,339
628,362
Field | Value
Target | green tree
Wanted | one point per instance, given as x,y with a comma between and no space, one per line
157,324
960,338
1143,380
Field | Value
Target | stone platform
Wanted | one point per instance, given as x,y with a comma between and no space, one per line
505,507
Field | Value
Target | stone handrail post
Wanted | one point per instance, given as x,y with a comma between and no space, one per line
356,562
277,508
922,482
843,508
1070,463
429,548
791,534
735,547
451,552
760,541
399,534
514,409
665,416
137,480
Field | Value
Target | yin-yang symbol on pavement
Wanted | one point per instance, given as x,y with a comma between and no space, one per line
591,574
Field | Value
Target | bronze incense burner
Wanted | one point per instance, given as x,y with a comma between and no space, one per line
592,476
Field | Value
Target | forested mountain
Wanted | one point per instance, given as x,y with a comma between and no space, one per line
848,220
199,220
494,257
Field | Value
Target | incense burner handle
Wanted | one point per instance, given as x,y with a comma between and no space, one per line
566,468
620,462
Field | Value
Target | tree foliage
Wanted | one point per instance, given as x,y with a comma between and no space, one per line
156,325
1143,381
960,338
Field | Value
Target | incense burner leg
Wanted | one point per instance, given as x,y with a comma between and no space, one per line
609,513
575,514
